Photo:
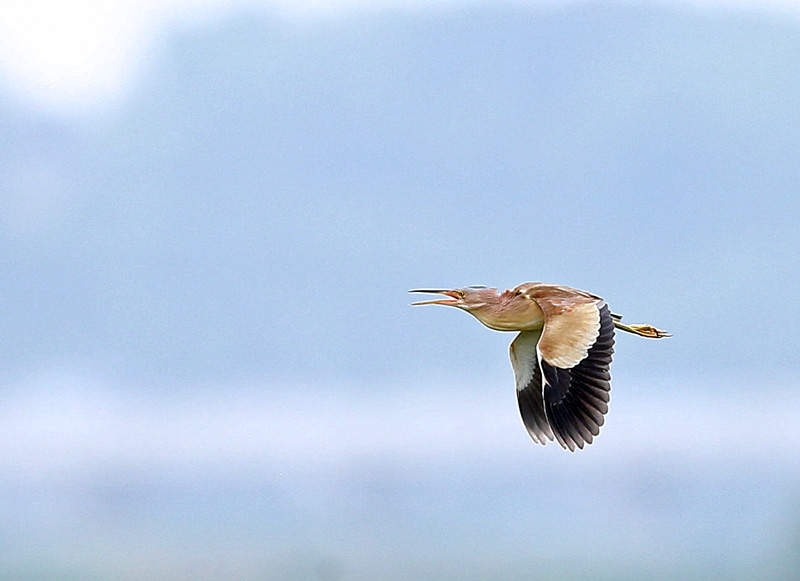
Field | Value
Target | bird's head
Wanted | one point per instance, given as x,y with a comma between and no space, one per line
506,311
467,299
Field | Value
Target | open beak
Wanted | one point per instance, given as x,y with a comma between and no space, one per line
454,299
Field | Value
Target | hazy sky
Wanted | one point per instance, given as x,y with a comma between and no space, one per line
210,214
265,194
69,56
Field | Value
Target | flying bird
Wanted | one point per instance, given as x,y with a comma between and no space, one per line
561,356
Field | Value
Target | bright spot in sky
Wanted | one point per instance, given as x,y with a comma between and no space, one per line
77,56
76,53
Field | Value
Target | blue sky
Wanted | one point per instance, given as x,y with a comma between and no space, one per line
209,235
84,57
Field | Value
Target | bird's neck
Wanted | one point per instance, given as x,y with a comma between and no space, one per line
520,317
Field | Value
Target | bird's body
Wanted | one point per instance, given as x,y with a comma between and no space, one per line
561,356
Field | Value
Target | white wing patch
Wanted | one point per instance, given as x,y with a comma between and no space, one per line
523,354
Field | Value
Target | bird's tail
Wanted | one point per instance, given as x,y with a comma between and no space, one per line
641,330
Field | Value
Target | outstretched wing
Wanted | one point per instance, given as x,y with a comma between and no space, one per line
528,374
562,372
576,397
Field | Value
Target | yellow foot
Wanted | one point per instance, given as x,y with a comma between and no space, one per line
643,330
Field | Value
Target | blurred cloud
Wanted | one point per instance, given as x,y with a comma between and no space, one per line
68,56
55,427
83,57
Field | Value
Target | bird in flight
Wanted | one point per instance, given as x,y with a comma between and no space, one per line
561,356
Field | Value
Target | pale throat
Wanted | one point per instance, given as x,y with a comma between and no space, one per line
518,317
